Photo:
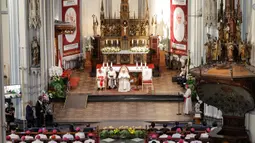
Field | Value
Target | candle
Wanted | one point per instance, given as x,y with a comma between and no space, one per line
117,42
112,41
141,64
111,64
132,41
136,64
103,64
145,64
107,65
105,41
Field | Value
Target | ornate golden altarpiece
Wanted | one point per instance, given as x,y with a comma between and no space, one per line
124,40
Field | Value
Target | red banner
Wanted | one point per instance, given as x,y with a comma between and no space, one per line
71,13
179,26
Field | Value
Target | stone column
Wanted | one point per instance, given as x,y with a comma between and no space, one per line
2,106
195,32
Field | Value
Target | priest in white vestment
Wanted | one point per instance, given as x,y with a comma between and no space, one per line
187,107
124,83
111,78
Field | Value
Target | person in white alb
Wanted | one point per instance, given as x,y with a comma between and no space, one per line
191,135
37,140
154,139
77,139
124,83
177,134
206,134
196,140
68,136
111,78
90,140
23,138
14,136
179,27
42,134
54,133
8,139
187,107
28,136
79,133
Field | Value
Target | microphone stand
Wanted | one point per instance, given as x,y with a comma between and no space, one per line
179,112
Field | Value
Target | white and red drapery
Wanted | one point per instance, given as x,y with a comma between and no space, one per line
179,27
71,13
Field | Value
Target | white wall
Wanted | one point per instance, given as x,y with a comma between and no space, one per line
5,32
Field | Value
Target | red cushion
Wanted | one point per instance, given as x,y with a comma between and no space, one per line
147,81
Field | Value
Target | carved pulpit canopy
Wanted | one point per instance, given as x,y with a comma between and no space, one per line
64,27
231,100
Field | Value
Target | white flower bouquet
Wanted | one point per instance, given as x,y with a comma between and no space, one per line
110,49
55,71
140,49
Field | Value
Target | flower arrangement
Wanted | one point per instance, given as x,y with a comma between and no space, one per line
57,85
140,49
110,49
123,132
55,71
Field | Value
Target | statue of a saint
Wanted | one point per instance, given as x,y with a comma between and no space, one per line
208,48
241,50
95,24
35,50
230,49
125,26
147,28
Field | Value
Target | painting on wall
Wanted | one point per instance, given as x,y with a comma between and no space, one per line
71,13
179,26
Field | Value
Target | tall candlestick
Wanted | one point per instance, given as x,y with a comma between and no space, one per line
107,65
117,42
111,64
145,64
132,41
103,64
136,64
141,64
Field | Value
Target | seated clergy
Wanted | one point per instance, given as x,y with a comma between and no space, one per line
42,134
13,136
79,133
111,78
77,140
23,138
28,136
8,139
100,79
191,135
68,136
124,83
196,140
53,138
37,140
54,133
90,140
154,139
177,134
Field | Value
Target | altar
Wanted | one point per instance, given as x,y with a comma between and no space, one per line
131,67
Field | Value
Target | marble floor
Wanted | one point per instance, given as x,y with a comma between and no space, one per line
163,85
116,112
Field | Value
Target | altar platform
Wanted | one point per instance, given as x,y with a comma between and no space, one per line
163,85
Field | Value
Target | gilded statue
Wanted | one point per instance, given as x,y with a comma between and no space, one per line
221,31
242,51
230,49
226,34
238,33
216,50
208,49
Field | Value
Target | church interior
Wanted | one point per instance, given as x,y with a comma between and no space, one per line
135,71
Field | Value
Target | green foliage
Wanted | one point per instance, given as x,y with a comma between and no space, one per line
57,87
104,134
140,133
125,134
